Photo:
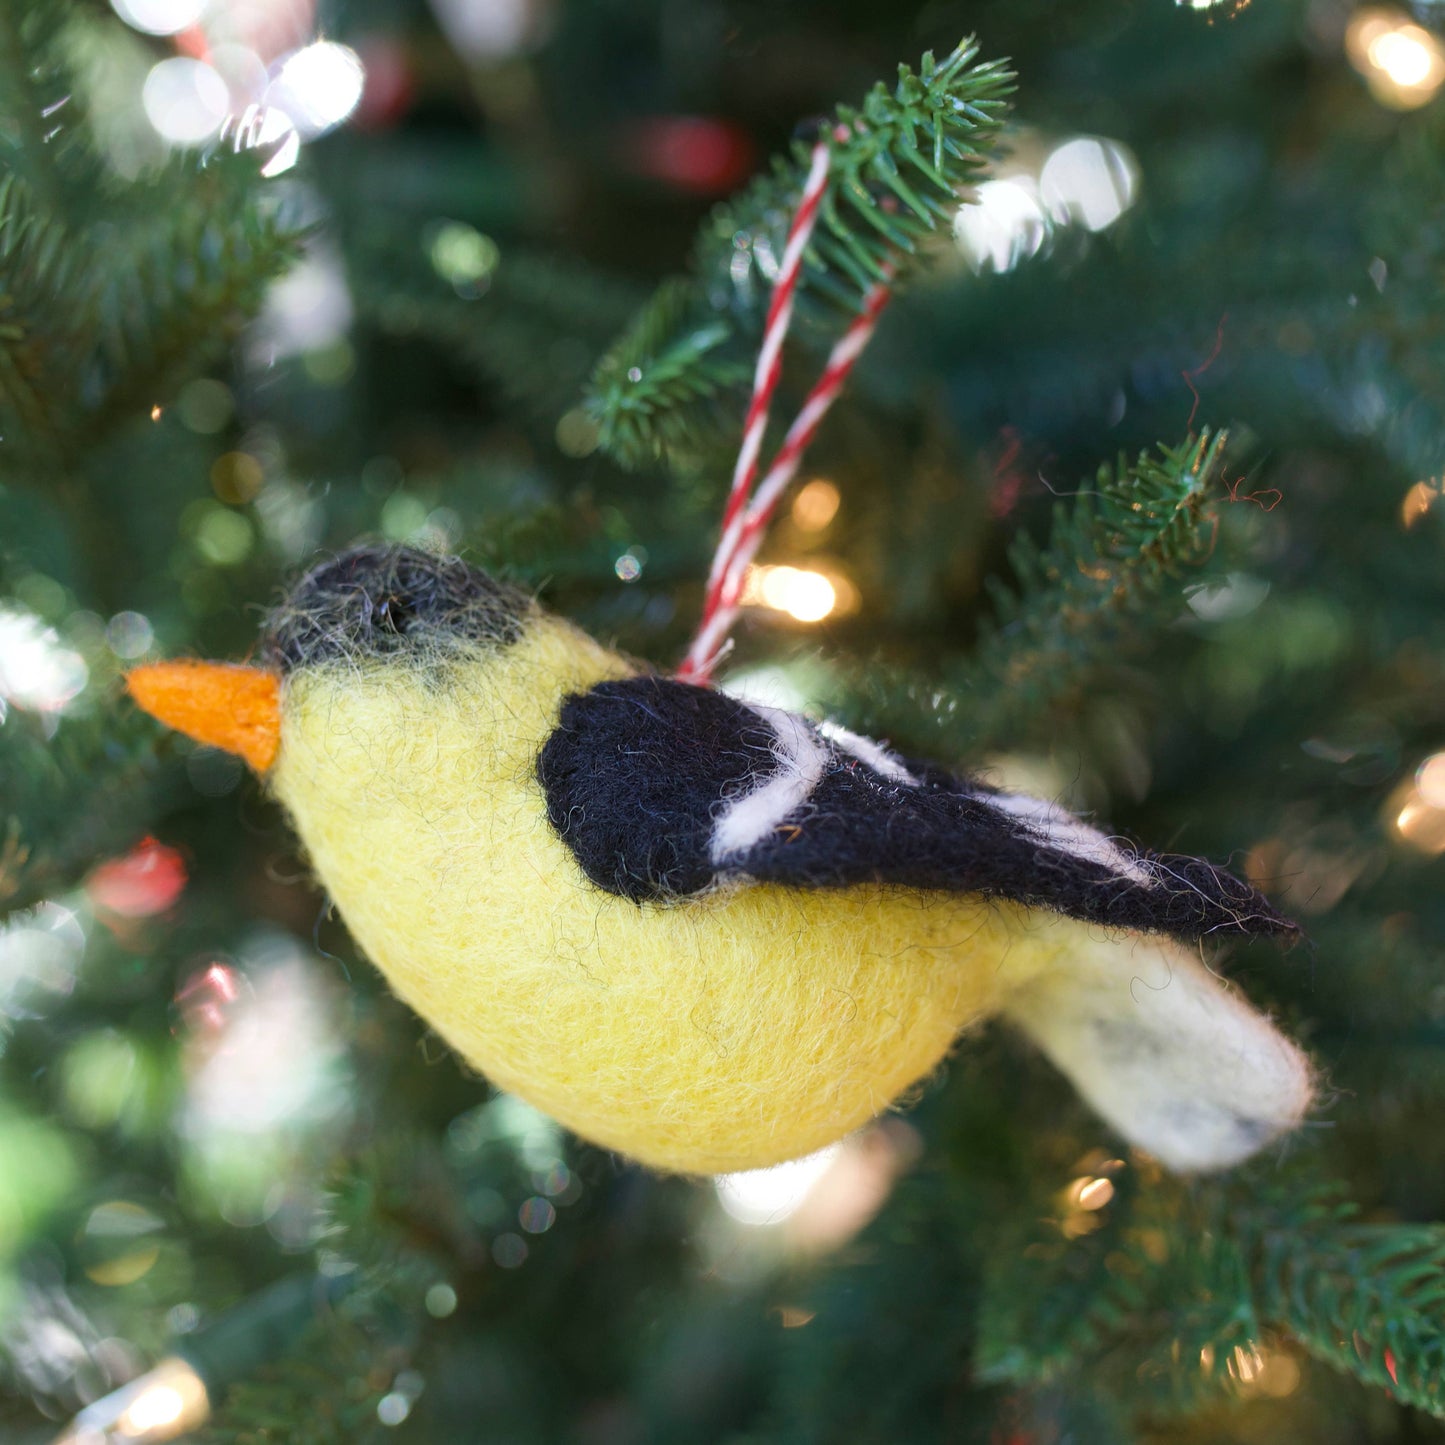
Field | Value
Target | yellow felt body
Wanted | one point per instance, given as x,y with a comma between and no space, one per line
728,1032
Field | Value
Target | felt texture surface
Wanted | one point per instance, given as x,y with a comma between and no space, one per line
637,770
701,1020
743,1029
373,601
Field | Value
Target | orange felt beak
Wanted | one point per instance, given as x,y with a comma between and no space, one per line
220,703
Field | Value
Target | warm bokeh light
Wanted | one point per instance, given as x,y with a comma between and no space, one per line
1416,808
1083,1198
162,1404
1430,781
154,1410
119,1243
1272,1373
1402,62
803,593
816,505
1090,1193
1418,501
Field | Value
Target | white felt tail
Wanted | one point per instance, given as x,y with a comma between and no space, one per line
1173,1059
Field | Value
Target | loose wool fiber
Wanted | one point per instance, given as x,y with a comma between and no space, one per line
736,1031
741,1026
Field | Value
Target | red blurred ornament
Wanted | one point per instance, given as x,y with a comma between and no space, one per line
390,83
145,882
700,154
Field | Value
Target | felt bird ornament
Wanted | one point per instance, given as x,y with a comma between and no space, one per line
708,934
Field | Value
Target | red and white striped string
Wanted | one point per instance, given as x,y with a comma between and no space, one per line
750,508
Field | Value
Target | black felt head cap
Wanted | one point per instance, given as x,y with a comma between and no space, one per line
372,601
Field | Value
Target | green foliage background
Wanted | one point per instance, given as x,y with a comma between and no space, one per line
1230,645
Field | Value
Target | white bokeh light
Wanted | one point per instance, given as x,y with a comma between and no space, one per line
185,100
768,1196
308,309
40,951
160,17
1004,225
1090,180
37,670
488,30
318,86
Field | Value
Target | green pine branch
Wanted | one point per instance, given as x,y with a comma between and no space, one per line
1113,557
44,137
667,385
176,290
899,163
36,271
56,819
1368,1299
111,294
1182,1291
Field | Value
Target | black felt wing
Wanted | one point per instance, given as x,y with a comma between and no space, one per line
662,789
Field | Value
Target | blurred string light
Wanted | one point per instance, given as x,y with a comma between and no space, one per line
1089,181
162,1404
37,671
174,1398
1416,808
1402,63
